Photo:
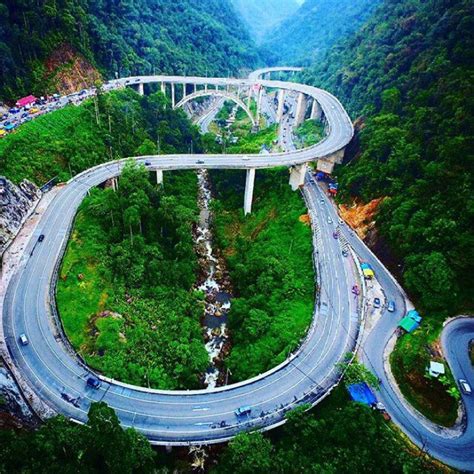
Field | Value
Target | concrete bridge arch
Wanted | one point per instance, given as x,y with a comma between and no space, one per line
218,93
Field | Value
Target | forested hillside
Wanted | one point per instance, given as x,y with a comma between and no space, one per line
410,73
131,37
262,15
316,26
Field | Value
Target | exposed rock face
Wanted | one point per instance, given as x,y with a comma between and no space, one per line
16,203
67,71
14,412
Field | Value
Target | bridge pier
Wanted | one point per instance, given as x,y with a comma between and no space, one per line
184,90
300,109
114,183
281,104
140,89
195,88
316,110
163,88
173,98
249,185
159,176
259,103
297,175
327,163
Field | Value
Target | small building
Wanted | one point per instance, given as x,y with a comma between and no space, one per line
25,101
436,369
408,324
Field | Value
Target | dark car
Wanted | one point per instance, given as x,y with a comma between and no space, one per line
147,163
41,238
345,253
335,235
200,162
376,302
93,383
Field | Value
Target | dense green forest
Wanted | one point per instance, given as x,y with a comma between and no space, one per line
100,446
269,254
262,16
409,74
125,290
126,37
307,34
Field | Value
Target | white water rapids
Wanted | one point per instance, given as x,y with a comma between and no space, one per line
214,284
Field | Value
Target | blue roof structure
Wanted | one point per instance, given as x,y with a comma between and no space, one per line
360,392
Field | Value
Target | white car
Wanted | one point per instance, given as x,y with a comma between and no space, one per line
23,339
465,387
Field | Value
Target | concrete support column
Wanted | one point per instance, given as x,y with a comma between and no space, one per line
249,97
300,109
172,95
316,110
249,184
259,103
159,176
114,184
195,88
281,103
140,89
205,87
163,88
184,90
297,174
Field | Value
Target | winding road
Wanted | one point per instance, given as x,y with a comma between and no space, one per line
51,368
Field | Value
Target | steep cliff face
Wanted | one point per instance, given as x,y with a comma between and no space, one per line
16,203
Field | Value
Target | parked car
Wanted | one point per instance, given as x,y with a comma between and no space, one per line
23,339
329,220
93,383
391,306
335,235
465,387
376,302
345,253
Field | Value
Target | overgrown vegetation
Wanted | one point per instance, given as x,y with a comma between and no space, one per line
125,291
100,446
128,38
409,73
269,254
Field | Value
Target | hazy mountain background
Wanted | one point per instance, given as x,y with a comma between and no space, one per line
261,16
307,34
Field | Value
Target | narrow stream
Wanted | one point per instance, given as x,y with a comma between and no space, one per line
214,281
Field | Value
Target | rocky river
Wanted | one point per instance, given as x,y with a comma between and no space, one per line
214,282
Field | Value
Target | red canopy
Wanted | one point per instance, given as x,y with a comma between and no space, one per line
30,99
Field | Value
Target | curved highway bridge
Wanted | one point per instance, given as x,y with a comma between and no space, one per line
51,368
